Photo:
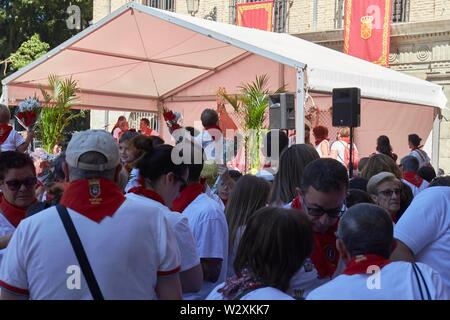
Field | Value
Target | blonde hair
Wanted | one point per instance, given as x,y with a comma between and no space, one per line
344,132
380,163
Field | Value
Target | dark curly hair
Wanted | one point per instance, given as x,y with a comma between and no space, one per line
14,160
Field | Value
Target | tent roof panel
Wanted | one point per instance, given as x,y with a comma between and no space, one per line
180,48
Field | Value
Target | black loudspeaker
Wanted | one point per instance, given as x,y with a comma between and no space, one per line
346,107
282,111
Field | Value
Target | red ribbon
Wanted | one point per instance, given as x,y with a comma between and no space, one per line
413,178
5,130
12,213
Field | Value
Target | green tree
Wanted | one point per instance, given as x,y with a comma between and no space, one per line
29,51
56,115
251,106
21,19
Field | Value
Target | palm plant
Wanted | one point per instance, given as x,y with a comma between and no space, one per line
251,106
55,114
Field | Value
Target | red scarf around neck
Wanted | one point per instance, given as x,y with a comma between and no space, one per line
142,191
413,178
12,213
93,198
360,263
325,255
5,130
187,195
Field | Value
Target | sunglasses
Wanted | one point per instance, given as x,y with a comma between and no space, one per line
15,184
318,211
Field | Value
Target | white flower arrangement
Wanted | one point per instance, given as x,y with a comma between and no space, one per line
29,104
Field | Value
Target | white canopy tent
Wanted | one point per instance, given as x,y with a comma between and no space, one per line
139,57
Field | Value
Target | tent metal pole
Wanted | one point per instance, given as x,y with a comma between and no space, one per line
300,111
435,139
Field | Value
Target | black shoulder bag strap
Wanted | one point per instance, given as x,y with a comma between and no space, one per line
80,253
417,272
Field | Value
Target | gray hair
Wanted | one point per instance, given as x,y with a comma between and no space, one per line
409,163
366,229
91,157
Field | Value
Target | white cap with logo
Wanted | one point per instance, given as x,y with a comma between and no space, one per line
92,140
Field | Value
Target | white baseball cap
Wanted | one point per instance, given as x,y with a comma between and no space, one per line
92,140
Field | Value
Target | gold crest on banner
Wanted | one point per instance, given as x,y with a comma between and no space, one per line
366,27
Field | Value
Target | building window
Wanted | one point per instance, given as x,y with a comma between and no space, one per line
168,5
281,12
400,11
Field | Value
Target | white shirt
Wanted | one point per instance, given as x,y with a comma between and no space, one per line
340,146
397,281
181,229
415,190
6,228
210,230
133,180
319,147
425,229
126,251
266,293
13,141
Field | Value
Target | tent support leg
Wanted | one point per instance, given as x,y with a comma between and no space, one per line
300,111
435,140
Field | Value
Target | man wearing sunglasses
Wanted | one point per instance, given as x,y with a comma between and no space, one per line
18,187
321,196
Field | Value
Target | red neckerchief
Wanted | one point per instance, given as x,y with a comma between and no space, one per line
318,141
5,130
187,195
413,178
93,198
360,263
345,139
12,213
215,127
325,255
142,191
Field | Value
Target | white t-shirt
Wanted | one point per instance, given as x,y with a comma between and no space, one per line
127,252
210,230
340,146
425,229
181,229
266,293
13,141
415,190
319,147
6,228
421,156
397,281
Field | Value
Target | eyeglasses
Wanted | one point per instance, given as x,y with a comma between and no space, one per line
388,193
15,185
318,211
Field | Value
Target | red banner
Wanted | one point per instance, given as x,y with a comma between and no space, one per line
367,30
257,15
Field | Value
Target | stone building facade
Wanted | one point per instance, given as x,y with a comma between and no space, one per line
420,36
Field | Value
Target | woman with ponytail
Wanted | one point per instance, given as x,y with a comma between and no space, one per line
162,181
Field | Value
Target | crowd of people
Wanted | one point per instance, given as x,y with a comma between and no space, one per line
124,215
